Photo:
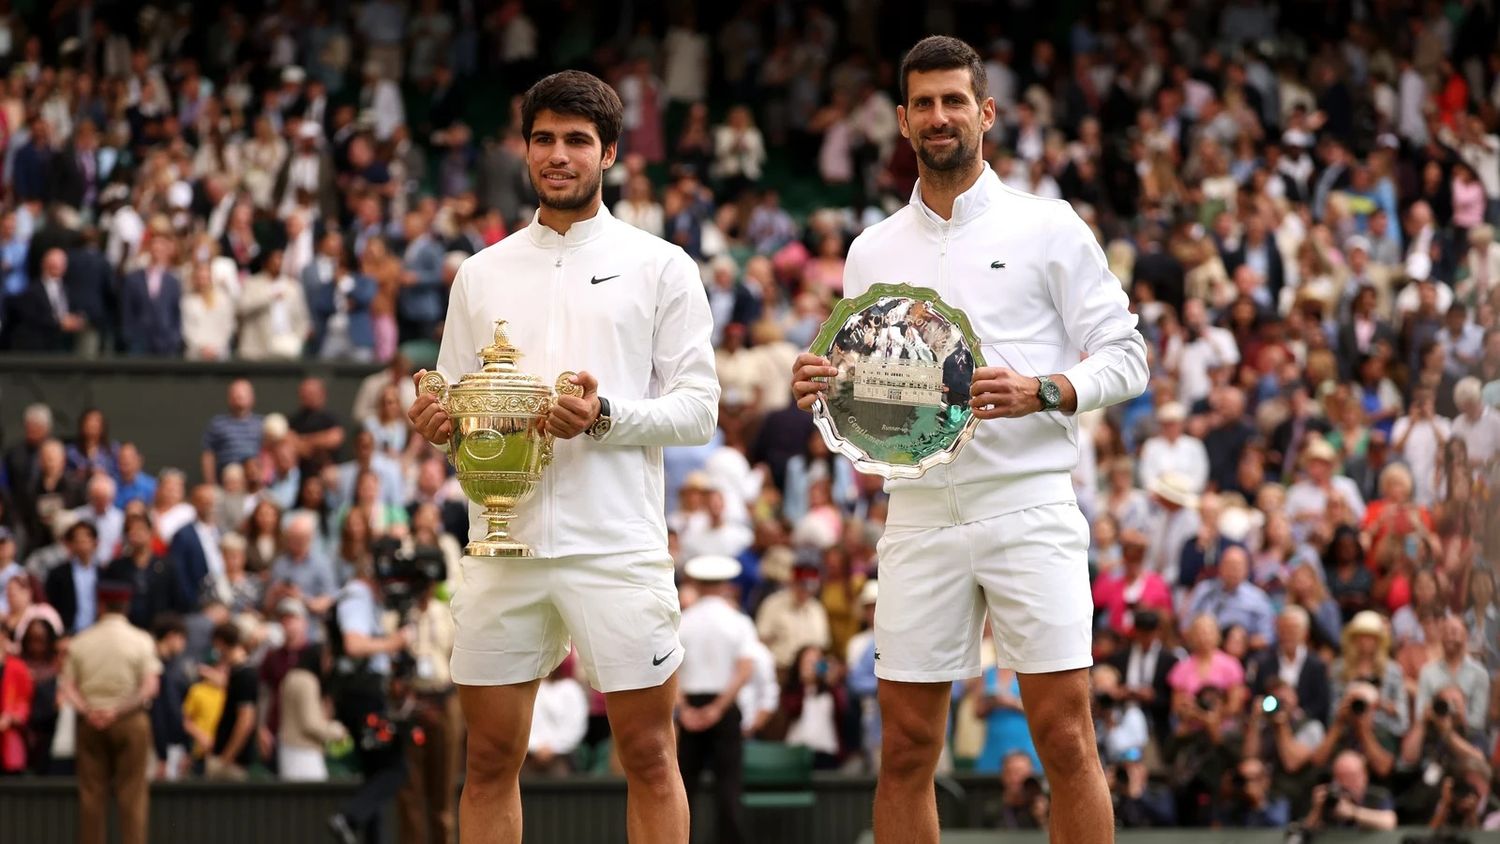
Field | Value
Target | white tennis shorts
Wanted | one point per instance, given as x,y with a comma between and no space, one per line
515,620
1028,569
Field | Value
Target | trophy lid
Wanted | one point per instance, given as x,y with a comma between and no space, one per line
500,373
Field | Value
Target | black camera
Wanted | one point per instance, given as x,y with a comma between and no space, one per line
1103,702
1359,706
405,574
1208,697
1440,707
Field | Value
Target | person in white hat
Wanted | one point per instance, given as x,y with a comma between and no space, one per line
1174,522
718,643
1308,498
1173,450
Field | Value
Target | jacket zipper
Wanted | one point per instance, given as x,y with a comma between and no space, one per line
942,286
552,343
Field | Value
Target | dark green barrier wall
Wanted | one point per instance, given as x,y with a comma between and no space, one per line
163,405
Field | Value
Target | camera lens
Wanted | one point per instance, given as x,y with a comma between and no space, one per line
1359,706
1440,707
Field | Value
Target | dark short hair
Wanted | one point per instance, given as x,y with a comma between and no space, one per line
942,52
576,94
74,528
167,623
227,634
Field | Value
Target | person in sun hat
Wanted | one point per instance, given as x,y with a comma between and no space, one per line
1307,500
1174,522
718,643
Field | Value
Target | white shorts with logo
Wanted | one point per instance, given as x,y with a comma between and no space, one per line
515,620
1028,569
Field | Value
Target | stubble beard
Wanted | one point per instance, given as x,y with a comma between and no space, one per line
582,194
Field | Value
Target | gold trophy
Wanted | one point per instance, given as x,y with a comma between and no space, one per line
500,443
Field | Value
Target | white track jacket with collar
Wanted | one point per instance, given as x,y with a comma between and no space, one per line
631,310
1035,286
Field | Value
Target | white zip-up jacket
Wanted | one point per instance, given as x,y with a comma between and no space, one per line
628,308
1035,286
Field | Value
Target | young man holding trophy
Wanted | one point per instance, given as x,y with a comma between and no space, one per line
585,558
993,528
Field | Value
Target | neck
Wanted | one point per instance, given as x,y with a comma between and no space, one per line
560,220
941,187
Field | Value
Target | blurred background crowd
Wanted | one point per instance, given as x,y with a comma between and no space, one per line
1295,530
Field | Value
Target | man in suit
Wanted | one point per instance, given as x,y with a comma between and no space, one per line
194,550
73,174
72,587
150,318
90,285
1289,437
155,586
1258,250
1144,667
42,319
32,162
1293,661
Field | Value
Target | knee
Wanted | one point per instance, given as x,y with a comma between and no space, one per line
648,755
910,749
1065,743
494,758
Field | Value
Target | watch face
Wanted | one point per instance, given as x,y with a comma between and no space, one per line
1051,394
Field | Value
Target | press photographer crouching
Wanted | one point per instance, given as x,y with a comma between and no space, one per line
1282,738
1348,801
1440,746
373,675
1123,735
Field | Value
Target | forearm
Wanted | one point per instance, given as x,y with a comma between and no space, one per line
1375,819
742,673
244,727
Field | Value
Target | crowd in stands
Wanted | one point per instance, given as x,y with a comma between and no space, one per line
1296,529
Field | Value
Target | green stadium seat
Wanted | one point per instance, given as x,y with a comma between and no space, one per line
422,353
777,776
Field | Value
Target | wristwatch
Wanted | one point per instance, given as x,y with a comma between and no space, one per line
1049,393
601,426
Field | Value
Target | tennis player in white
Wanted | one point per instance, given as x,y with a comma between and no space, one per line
998,530
627,310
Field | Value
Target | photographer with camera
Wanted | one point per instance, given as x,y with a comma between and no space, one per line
1293,661
1282,736
1348,801
1144,667
1024,803
1456,668
1251,802
426,802
363,667
1123,734
1353,729
1208,693
1439,743
1464,799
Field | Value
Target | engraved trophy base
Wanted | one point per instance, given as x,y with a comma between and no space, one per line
497,542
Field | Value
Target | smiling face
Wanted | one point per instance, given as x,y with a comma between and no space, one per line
943,119
566,160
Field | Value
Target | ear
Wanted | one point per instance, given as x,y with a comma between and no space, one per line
901,121
607,159
987,115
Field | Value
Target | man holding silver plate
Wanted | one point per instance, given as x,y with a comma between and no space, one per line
979,321
576,553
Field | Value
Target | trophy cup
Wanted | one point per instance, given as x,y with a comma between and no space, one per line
500,444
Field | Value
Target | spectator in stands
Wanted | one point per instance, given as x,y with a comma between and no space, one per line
101,512
320,433
1283,736
1309,499
194,551
16,692
299,572
1173,451
150,302
232,437
792,618
134,484
208,317
72,588
40,318
1293,661
155,587
1124,593
1456,668
815,703
53,488
386,470
1230,599
21,459
1023,804
234,747
93,450
305,728
168,735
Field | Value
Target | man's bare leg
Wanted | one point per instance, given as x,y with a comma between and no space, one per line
499,723
914,720
1062,726
646,740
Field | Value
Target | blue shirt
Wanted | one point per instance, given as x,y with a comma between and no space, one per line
358,612
13,259
86,588
233,439
143,488
1246,606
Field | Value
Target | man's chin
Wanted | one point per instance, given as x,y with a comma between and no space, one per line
952,160
570,200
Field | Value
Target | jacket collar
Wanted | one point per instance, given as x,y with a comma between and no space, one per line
967,206
579,233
